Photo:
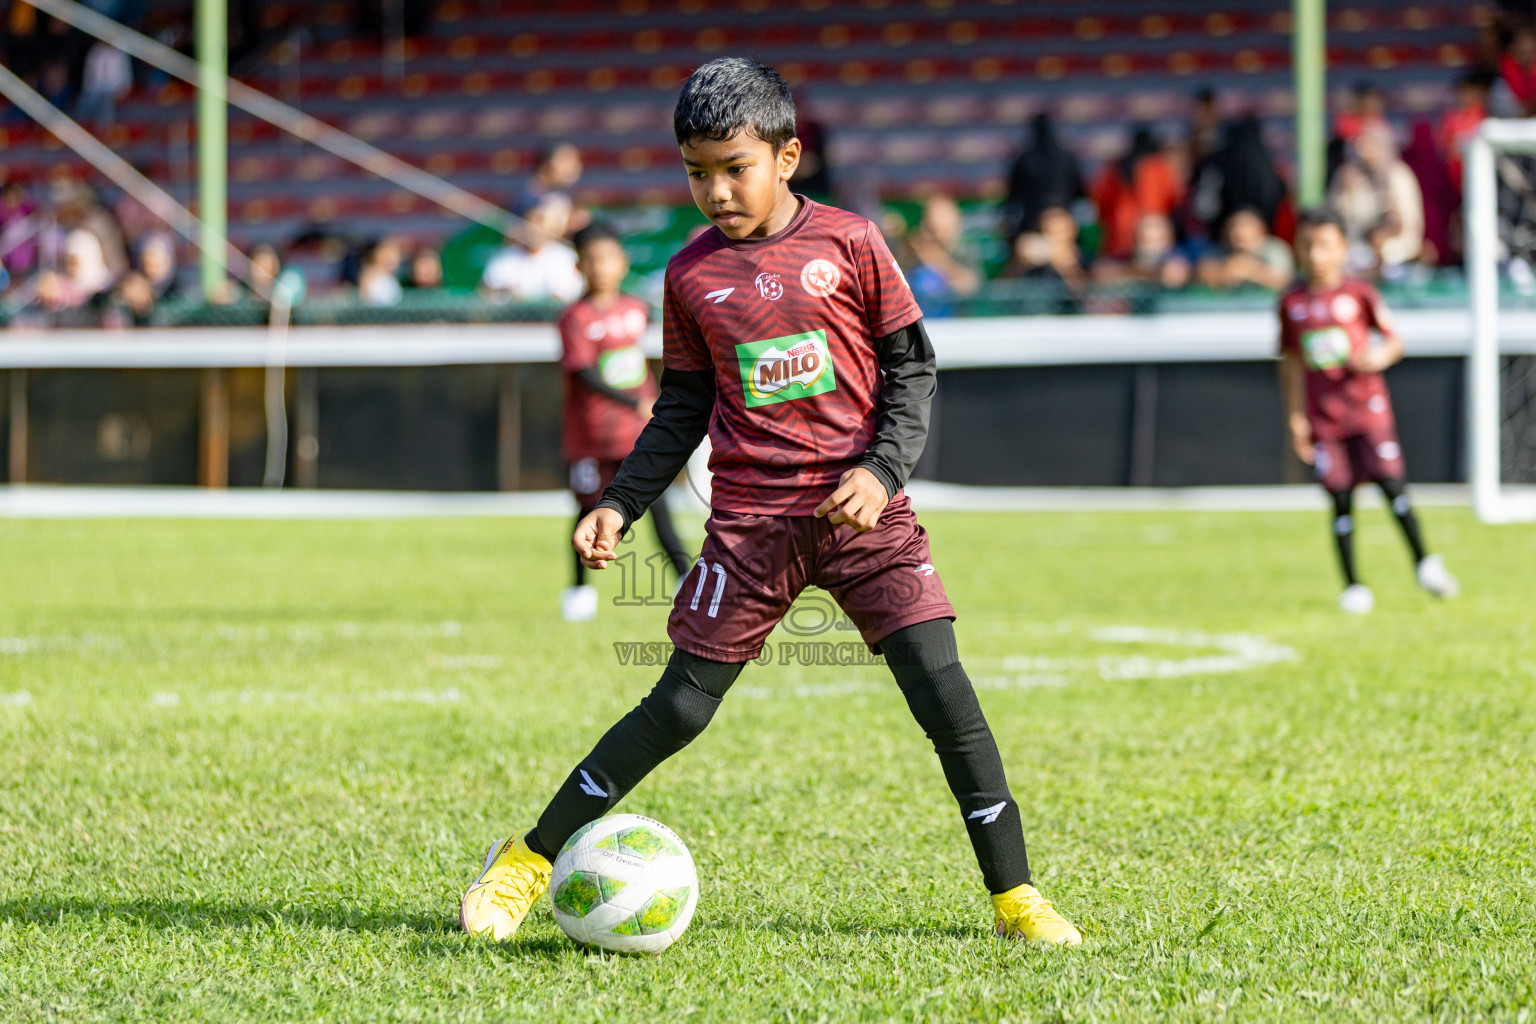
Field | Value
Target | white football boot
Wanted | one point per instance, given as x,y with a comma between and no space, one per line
1357,599
578,604
1436,578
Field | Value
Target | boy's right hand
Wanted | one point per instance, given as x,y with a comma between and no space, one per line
596,537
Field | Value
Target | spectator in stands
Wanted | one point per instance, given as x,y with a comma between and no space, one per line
536,265
1379,199
558,170
1241,175
266,265
378,280
1045,175
21,224
76,206
1050,253
1365,108
105,83
931,256
1251,256
812,176
1440,195
152,281
1458,124
426,269
83,274
1156,258
1204,126
1517,67
1142,182
157,263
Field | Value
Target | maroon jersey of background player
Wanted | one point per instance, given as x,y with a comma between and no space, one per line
1326,328
593,425
787,323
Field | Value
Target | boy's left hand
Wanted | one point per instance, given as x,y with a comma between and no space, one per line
858,501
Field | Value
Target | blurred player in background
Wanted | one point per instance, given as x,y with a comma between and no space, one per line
1336,400
608,396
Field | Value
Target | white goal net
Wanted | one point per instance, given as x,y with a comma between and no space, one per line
1500,218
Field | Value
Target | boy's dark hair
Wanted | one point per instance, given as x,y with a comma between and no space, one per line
734,94
1319,217
594,232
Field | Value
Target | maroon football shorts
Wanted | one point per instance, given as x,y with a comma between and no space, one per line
589,477
753,567
1360,458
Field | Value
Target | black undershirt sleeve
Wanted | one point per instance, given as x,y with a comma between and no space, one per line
906,399
679,420
594,380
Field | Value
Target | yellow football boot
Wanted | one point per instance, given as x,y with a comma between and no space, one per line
513,879
1022,913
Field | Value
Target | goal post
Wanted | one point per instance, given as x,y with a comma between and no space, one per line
1496,414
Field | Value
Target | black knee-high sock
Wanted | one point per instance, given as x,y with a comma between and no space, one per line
1344,532
666,533
1396,493
669,718
927,667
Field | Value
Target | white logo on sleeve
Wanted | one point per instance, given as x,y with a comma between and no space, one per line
987,814
719,294
593,789
926,569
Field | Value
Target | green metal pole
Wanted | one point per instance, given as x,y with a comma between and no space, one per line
211,20
1309,60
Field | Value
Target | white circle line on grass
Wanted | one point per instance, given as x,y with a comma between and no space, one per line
299,698
18,699
1225,653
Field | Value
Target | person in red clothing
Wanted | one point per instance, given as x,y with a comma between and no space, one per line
1518,67
609,392
1459,123
791,338
1142,183
1336,400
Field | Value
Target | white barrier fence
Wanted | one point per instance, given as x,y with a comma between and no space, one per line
963,343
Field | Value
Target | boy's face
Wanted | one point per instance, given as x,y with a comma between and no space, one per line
603,264
1321,249
737,182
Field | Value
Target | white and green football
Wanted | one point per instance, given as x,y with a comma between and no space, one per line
624,883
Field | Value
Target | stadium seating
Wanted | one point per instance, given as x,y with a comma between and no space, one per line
917,94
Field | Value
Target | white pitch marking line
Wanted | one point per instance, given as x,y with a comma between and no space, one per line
1239,652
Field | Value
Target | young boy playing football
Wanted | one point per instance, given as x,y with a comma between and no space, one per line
609,392
1336,400
792,340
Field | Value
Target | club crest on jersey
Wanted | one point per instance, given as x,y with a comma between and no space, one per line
769,286
820,278
1345,308
784,369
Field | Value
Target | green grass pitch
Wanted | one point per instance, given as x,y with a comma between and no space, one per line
246,770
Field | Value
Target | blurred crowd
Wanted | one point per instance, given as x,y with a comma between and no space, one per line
1208,208
1204,207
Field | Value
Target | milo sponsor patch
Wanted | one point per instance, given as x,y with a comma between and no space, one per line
784,369
622,368
1326,348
